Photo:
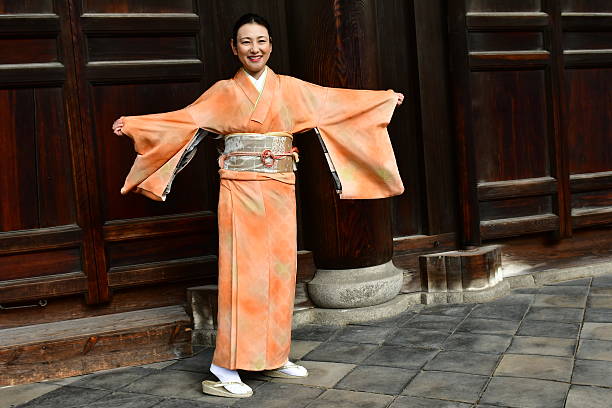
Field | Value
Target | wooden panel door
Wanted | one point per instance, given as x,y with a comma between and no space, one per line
139,57
506,64
46,248
587,49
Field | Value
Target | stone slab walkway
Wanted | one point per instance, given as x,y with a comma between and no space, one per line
543,347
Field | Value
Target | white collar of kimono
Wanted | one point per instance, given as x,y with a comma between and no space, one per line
258,83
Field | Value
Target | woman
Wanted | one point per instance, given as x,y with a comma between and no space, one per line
258,112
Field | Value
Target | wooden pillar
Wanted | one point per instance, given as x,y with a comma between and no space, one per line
469,216
334,43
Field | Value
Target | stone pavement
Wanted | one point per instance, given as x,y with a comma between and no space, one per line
540,347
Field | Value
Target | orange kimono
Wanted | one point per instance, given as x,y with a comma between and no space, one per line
257,225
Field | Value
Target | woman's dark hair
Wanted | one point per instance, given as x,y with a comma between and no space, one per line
249,19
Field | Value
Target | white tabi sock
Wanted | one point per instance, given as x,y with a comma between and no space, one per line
226,375
294,370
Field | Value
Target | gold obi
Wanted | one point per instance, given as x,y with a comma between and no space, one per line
261,152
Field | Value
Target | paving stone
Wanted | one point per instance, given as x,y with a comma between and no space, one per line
125,400
545,346
160,365
480,343
299,348
601,291
464,362
595,350
363,334
395,321
531,366
448,386
199,363
575,282
277,395
565,290
341,352
113,379
527,291
536,328
67,397
602,302
488,406
170,383
560,301
500,311
417,338
525,393
416,402
401,357
448,310
380,380
350,399
596,331
181,403
555,314
592,372
488,326
67,380
20,394
602,282
320,374
581,396
434,322
598,315
314,332
514,299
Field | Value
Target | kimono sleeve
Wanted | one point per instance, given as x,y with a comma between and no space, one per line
353,128
164,143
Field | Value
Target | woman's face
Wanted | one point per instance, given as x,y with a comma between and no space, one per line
253,48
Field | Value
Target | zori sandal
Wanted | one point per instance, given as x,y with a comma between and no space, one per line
219,389
288,370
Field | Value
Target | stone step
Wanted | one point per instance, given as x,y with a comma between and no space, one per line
79,346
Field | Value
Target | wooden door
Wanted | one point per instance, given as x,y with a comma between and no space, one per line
46,245
139,57
532,114
586,33
506,69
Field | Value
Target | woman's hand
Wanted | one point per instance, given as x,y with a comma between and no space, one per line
400,98
118,127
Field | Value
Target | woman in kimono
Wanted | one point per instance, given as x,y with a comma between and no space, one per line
258,112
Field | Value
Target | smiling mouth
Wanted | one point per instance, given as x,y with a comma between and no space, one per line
255,58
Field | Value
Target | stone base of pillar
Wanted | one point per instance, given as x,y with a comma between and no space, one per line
354,288
456,276
202,307
340,317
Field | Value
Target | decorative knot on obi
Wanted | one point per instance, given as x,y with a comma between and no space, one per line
265,153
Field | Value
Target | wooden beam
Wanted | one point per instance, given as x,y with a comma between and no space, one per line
516,188
506,21
508,227
591,181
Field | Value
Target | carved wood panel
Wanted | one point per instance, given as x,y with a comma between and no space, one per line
514,178
45,244
135,58
587,45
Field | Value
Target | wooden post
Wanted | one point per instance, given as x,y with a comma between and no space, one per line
334,43
469,217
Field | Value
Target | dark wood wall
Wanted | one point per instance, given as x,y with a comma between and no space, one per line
532,115
505,129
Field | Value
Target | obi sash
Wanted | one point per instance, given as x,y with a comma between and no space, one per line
264,153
